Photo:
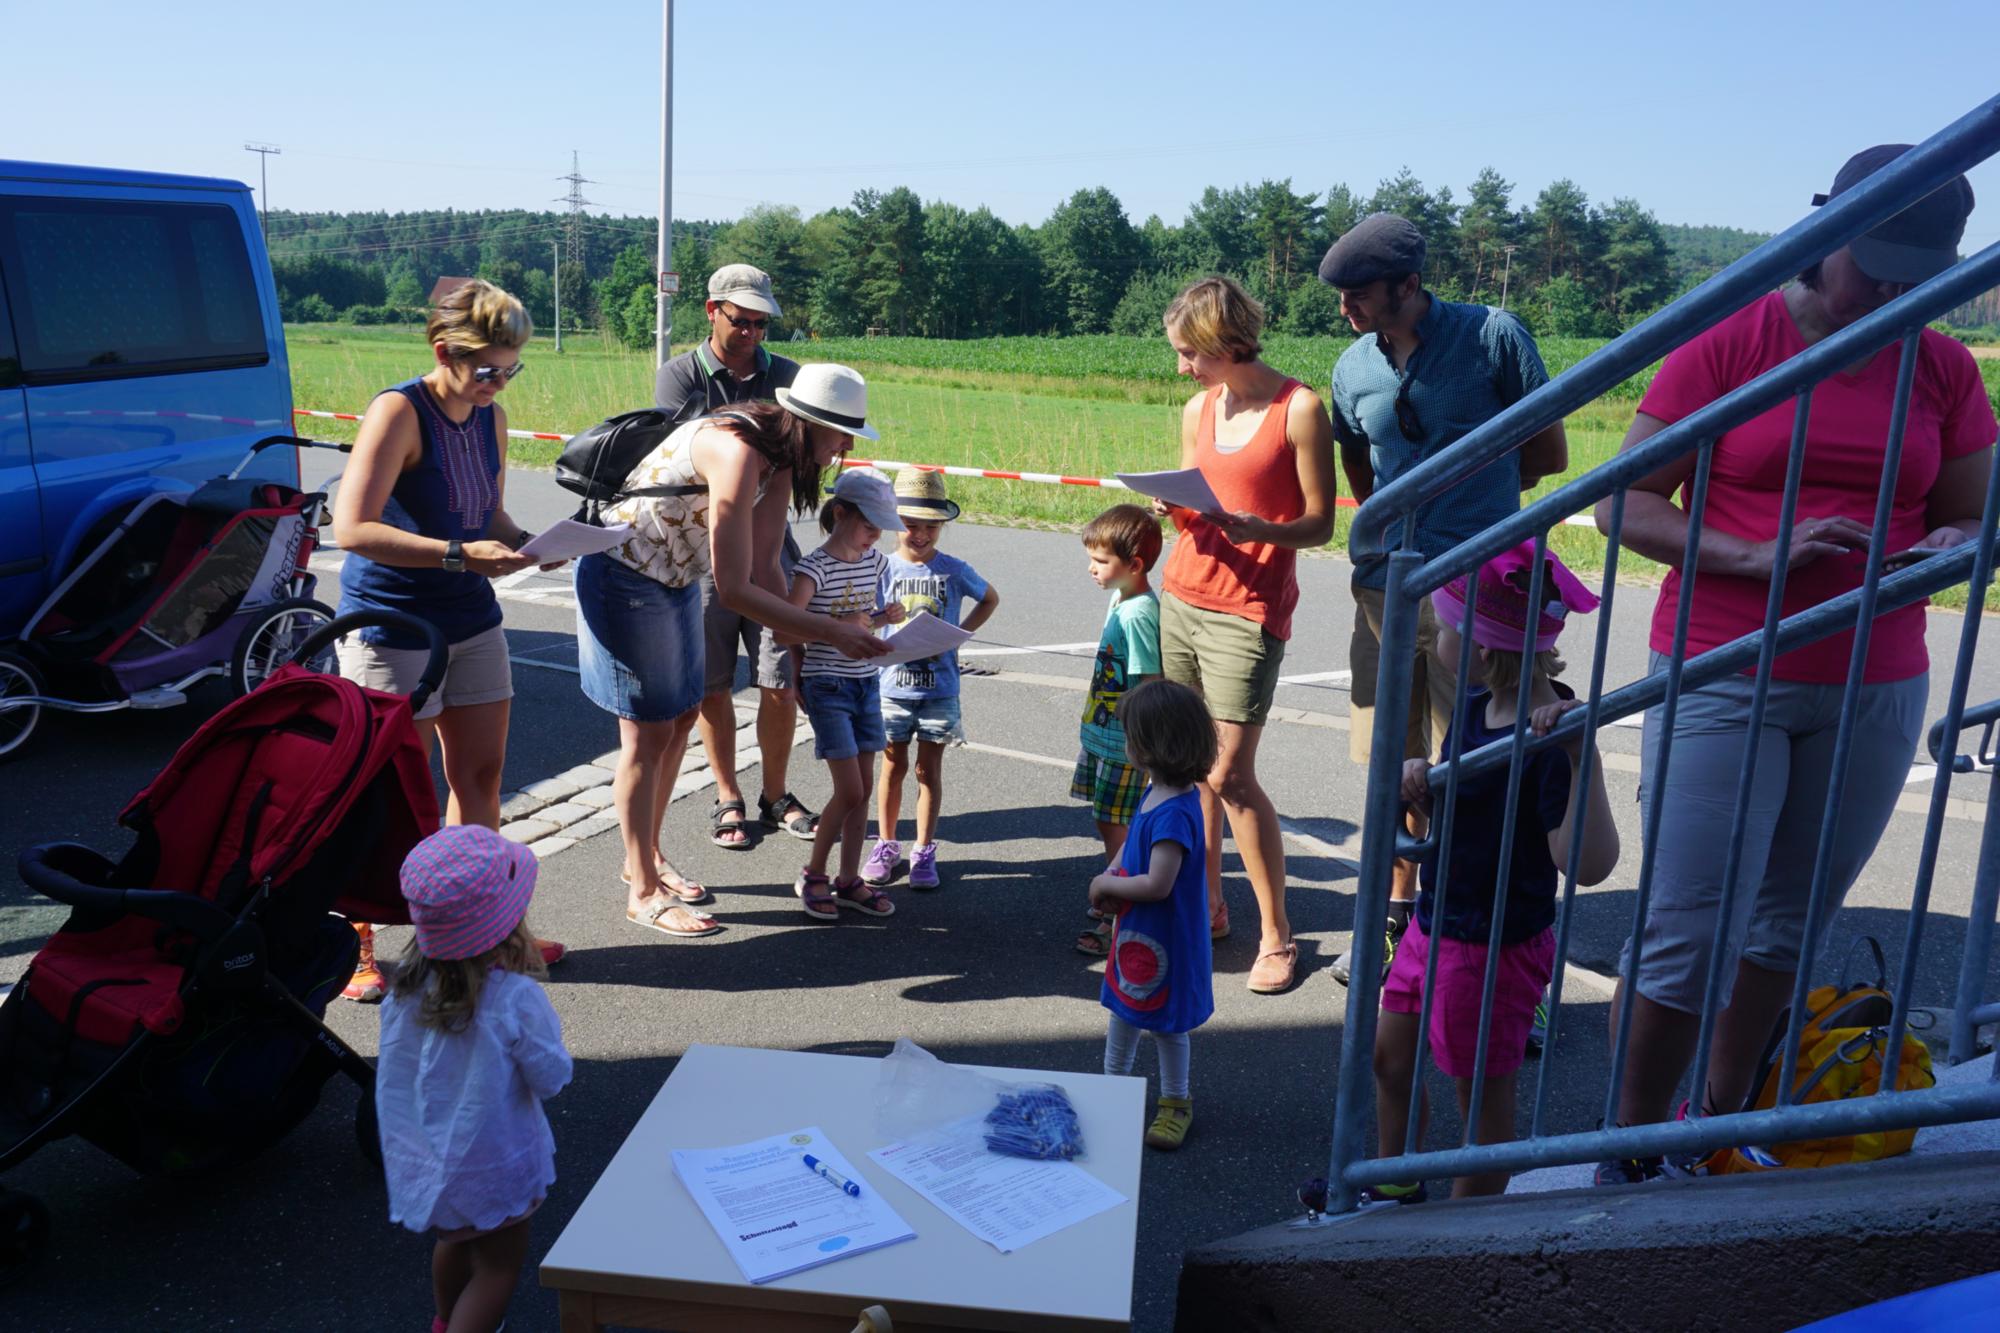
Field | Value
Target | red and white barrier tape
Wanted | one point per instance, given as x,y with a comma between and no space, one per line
892,465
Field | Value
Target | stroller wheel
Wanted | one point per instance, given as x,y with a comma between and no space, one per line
271,636
18,679
24,1229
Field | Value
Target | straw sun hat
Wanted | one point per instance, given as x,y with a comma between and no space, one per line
920,495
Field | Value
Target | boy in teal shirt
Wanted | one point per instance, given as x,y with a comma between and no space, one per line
1124,545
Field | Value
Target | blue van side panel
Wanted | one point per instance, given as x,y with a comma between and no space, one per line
98,446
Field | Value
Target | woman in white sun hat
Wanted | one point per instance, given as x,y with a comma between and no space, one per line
742,472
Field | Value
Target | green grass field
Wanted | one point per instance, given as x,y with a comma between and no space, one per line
1078,406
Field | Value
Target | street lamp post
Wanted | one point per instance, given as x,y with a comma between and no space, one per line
558,291
1507,273
663,301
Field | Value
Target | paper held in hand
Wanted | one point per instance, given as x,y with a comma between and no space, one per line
922,635
776,1215
567,539
1185,487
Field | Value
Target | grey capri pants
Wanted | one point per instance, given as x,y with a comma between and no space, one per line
1787,802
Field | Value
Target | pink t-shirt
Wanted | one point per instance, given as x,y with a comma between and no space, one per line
1846,439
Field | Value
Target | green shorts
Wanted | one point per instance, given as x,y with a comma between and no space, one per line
1113,789
1232,661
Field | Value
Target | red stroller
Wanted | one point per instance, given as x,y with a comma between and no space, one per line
175,1018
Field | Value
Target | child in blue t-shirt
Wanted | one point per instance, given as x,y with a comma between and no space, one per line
920,699
1157,970
1124,545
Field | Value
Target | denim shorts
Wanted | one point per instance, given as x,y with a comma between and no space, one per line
932,721
846,714
638,642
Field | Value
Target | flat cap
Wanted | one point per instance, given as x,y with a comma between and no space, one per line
1379,245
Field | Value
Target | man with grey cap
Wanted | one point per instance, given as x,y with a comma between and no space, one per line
1422,374
732,365
1940,489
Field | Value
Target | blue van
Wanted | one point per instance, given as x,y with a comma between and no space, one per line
140,352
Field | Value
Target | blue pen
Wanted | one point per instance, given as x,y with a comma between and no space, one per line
833,1177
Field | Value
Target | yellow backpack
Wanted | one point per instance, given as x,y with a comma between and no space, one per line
1840,1055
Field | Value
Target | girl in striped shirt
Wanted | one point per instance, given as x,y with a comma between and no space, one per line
845,579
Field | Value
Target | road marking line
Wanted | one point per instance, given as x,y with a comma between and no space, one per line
546,666
1067,765
1012,651
1316,677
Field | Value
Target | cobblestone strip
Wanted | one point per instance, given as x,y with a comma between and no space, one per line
556,813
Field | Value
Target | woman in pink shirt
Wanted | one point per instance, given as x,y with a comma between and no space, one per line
1940,488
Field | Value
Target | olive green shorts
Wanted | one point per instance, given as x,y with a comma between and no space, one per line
1433,685
1233,661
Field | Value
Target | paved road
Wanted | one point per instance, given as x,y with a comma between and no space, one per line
980,970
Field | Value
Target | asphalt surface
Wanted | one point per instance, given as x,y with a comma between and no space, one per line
981,970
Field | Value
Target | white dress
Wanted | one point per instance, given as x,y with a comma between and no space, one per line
465,1142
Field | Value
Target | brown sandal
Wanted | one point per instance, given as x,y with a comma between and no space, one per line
1096,942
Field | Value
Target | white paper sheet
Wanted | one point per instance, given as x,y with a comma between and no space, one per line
775,1215
1008,1202
1185,487
567,539
922,635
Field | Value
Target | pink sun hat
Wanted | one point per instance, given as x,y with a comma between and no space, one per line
468,888
1500,612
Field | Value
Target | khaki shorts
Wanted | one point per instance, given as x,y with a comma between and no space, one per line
1432,683
1233,661
477,672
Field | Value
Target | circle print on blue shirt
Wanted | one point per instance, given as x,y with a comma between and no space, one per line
1137,969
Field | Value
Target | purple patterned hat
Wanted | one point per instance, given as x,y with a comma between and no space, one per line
468,888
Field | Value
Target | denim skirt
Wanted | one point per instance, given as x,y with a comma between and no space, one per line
638,642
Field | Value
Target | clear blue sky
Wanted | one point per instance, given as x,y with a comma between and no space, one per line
1706,111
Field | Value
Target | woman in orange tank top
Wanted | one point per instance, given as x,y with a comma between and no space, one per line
1265,445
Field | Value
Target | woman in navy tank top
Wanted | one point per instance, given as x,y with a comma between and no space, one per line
420,514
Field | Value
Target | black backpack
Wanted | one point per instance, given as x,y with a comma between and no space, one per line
596,462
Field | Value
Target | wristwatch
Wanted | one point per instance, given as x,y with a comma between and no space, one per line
454,556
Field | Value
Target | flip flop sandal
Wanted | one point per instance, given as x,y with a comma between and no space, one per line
1218,923
816,896
659,916
1095,943
718,826
863,897
691,892
788,814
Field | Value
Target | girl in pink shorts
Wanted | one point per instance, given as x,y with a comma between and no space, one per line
1462,926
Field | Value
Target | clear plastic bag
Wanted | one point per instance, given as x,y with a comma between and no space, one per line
917,1092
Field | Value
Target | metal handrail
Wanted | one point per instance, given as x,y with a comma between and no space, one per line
1411,575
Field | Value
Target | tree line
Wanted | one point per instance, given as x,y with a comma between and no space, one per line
888,261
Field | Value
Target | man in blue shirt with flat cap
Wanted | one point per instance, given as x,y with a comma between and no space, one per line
1421,374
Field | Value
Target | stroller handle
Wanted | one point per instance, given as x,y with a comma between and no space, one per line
52,870
341,626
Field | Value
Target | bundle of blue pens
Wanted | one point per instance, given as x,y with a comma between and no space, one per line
1035,1120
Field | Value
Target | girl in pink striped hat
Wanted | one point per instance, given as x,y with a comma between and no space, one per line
1463,923
471,1048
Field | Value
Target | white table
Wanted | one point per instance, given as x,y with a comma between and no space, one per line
639,1253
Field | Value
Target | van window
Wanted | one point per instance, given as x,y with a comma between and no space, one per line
10,364
105,290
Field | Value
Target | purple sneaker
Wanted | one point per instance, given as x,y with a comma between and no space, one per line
923,867
881,863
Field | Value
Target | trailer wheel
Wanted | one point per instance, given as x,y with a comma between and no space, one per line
18,680
272,636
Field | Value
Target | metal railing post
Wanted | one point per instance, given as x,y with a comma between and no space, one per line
1353,1099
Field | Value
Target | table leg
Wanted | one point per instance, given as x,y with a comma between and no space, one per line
578,1311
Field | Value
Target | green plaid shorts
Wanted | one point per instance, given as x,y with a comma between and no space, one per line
1113,789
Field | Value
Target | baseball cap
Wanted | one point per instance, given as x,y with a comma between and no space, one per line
868,490
1500,613
1918,243
468,888
743,285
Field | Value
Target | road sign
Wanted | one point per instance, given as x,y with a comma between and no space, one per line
670,283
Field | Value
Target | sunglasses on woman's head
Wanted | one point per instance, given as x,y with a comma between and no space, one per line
487,374
744,324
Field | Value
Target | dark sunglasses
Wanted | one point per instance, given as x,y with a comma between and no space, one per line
1407,420
487,374
743,324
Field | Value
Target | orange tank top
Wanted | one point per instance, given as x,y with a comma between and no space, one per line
1257,581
